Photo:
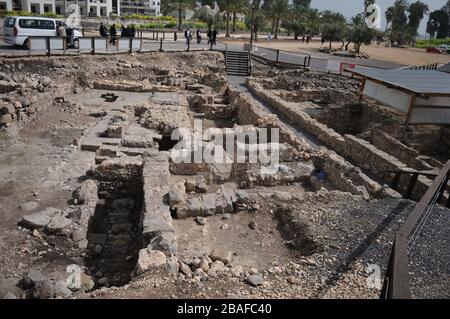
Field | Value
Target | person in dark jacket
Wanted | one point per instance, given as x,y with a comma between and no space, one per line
103,30
209,35
113,34
199,36
215,34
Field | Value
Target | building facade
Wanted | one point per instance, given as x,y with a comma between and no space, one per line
38,6
143,7
92,8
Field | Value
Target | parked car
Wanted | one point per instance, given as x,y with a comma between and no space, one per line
18,30
444,47
434,50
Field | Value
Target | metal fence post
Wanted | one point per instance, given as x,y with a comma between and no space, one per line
131,44
47,40
93,45
175,36
278,57
164,35
161,45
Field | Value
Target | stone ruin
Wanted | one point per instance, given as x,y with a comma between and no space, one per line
130,207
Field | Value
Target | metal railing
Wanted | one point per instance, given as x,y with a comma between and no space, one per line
397,281
280,58
53,45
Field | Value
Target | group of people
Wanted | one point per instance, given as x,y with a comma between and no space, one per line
125,32
211,34
65,32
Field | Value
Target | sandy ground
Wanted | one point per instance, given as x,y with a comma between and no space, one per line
410,56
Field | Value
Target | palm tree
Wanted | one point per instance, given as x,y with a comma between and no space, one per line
312,21
178,5
227,6
238,6
279,10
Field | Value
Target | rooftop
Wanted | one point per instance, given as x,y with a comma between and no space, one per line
426,82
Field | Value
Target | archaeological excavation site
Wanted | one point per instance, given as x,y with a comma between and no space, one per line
159,175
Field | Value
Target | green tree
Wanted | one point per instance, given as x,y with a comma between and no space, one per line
333,26
389,16
277,10
438,24
259,18
302,3
180,6
296,19
238,6
227,6
360,33
417,11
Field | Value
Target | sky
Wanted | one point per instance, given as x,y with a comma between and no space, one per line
350,8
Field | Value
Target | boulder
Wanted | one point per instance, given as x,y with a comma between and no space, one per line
33,276
61,290
255,280
43,290
149,259
58,223
5,119
87,284
39,220
221,255
185,269
87,191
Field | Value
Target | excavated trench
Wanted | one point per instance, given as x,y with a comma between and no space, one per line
115,235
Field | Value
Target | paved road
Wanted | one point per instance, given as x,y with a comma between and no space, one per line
317,62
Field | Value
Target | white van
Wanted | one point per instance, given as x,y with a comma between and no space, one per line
17,30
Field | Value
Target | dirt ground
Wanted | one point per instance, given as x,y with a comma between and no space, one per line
409,56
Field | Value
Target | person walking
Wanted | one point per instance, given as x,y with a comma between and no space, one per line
209,35
103,30
113,34
269,38
70,37
215,34
199,36
188,36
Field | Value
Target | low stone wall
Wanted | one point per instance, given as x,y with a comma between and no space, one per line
342,174
392,146
360,151
157,231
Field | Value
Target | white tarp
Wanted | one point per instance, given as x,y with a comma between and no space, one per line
392,97
431,110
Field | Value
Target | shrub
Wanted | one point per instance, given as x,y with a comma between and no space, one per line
432,43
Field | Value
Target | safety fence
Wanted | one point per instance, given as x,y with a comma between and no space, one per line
53,45
397,280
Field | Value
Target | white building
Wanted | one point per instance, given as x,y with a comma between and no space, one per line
6,5
143,7
38,6
96,8
99,8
